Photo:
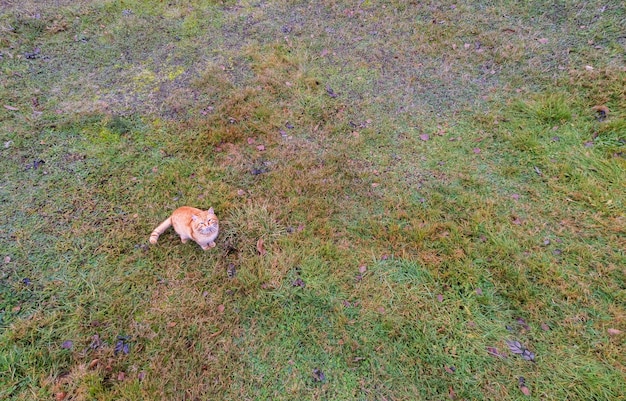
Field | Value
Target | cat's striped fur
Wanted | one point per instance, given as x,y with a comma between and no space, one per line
198,225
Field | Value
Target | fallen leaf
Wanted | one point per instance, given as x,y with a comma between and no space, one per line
494,352
614,332
141,375
589,68
251,141
331,92
298,283
67,344
439,297
515,347
450,369
121,345
538,171
424,137
515,196
231,271
121,376
522,323
479,291
362,269
477,150
528,355
171,324
33,54
543,41
96,342
522,385
260,148
257,171
60,396
451,393
220,308
93,363
6,106
260,248
545,327
318,375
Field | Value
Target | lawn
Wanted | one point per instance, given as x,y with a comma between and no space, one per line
417,200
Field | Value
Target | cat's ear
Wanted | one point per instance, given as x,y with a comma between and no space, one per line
211,211
195,218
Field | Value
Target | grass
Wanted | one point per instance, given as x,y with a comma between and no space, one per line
429,181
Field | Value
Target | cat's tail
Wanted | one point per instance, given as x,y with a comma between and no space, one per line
159,230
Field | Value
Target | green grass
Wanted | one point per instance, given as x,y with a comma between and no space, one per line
433,182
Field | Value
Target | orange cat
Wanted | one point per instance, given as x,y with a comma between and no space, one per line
201,226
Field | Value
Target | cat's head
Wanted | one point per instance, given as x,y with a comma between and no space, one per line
205,223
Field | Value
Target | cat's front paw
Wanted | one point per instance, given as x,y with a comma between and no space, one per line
211,244
184,240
